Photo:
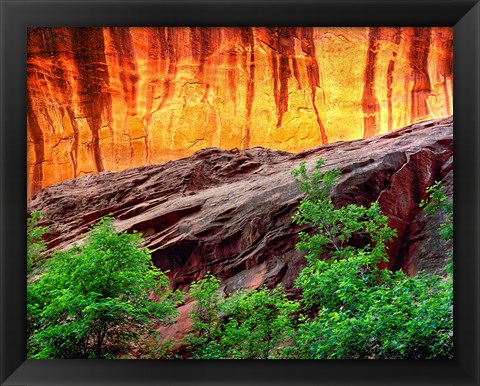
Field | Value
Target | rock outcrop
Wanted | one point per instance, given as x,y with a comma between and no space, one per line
229,212
105,99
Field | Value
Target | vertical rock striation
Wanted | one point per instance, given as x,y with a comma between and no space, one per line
370,105
113,98
418,59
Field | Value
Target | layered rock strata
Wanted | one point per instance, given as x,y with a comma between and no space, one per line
229,212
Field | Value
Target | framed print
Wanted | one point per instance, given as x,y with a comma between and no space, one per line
238,181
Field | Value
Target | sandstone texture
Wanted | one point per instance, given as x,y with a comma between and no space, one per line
229,212
108,99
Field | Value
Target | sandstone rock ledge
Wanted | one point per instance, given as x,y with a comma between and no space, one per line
229,211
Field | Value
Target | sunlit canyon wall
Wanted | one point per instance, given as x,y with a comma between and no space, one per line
102,99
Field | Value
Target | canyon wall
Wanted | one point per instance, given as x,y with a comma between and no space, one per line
229,212
107,99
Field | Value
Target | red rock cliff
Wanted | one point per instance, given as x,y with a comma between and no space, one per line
229,212
102,99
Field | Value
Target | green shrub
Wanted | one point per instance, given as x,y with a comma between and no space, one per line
205,318
93,300
435,202
35,244
362,311
249,324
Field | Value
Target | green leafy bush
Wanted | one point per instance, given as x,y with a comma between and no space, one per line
35,244
258,324
205,317
435,202
93,300
362,311
249,324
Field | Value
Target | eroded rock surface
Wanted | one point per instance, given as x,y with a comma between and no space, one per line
112,98
229,212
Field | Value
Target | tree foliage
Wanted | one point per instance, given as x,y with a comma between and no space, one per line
363,311
258,324
205,317
94,299
35,244
437,202
249,324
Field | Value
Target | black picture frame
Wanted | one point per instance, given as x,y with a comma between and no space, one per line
17,15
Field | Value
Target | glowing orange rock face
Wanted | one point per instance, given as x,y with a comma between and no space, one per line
112,98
